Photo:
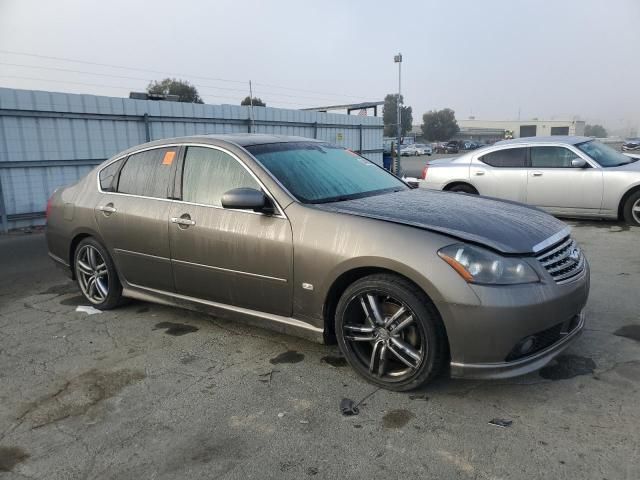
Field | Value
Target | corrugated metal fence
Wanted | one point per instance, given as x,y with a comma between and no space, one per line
50,139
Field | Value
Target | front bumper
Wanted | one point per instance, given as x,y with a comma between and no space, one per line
483,338
517,367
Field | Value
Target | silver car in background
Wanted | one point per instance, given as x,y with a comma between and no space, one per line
566,176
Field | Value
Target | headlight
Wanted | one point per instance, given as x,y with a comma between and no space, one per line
477,265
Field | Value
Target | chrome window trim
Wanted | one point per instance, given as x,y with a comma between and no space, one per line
592,163
551,240
280,210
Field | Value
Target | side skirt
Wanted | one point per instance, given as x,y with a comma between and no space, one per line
277,323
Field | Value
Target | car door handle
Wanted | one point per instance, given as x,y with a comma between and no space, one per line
536,174
478,172
183,221
107,208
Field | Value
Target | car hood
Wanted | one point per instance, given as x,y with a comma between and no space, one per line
507,227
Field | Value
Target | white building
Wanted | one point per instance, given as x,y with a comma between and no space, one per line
481,129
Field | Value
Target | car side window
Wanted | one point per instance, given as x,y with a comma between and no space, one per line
107,176
551,157
147,173
209,173
506,158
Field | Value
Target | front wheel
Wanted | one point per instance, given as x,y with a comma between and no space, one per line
390,332
96,275
632,209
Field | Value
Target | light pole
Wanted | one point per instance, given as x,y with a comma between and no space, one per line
396,167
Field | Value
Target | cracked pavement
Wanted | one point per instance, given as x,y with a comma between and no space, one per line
147,391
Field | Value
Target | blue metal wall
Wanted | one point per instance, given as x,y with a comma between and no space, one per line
49,139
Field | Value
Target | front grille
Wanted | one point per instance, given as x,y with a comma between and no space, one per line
563,261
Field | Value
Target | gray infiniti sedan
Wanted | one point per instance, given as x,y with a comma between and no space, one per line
570,176
314,240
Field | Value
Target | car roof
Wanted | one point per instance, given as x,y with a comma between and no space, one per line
570,139
235,139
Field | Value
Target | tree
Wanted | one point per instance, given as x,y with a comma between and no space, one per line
171,86
597,131
257,102
439,125
390,116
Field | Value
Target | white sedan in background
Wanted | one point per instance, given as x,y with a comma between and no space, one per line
567,176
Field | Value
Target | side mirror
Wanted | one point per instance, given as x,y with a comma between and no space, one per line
245,199
578,163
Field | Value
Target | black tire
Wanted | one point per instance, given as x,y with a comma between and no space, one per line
463,188
113,296
631,216
425,333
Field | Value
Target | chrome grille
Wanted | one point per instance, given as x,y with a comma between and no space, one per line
563,261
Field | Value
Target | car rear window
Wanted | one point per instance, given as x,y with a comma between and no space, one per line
508,158
147,173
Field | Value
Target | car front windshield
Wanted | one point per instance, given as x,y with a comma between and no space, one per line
603,154
320,173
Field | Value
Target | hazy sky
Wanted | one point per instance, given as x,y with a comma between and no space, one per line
489,58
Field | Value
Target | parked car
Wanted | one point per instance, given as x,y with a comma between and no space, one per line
631,145
572,176
424,149
451,147
312,239
409,150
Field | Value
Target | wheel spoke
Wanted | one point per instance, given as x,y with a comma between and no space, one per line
91,287
401,325
406,348
359,328
401,311
401,358
375,308
375,352
360,338
383,360
84,267
91,257
101,289
367,314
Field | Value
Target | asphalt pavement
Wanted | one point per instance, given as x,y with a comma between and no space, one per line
148,391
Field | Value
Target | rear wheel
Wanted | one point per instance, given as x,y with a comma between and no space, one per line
390,332
463,188
96,275
632,209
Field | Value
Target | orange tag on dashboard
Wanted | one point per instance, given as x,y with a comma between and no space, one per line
168,158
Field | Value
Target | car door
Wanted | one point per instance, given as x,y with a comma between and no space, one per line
235,257
501,173
554,185
132,215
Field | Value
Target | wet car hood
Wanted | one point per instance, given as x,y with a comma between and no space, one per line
507,227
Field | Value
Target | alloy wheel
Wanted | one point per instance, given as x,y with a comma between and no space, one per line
92,274
635,211
384,335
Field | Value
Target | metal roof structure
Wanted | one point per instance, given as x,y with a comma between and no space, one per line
349,107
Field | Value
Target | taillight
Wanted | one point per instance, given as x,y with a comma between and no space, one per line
49,204
424,171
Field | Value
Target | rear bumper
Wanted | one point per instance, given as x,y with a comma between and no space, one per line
518,367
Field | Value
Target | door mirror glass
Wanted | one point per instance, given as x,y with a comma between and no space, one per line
578,163
245,199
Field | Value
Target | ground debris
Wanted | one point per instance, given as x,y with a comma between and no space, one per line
501,422
348,407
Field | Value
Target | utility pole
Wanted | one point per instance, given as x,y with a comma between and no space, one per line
396,166
250,108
